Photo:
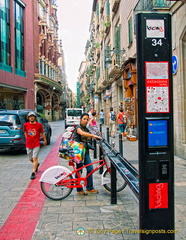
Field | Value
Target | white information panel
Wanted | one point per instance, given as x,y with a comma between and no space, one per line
157,87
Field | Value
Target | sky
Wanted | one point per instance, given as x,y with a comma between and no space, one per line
74,20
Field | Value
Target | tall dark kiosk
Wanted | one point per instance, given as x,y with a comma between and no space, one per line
156,150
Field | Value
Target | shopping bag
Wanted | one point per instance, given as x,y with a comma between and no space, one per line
74,150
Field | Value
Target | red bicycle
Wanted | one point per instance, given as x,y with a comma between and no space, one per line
57,182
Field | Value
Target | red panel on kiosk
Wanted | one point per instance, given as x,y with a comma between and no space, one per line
158,195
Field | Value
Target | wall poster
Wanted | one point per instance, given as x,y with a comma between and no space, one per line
157,87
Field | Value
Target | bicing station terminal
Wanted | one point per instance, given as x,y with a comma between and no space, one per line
155,104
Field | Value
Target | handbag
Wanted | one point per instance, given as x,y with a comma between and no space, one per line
74,150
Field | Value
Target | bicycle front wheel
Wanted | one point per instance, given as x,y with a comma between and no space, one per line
120,182
57,191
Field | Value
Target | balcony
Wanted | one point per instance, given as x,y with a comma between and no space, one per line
82,93
99,87
145,5
115,73
47,82
43,22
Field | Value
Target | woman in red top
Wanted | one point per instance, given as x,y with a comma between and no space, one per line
122,122
33,130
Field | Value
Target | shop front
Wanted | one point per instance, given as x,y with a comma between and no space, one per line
12,98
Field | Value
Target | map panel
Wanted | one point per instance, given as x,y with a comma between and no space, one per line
157,87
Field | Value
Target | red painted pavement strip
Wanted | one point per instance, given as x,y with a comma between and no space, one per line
21,223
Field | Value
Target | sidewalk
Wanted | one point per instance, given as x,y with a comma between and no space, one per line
94,217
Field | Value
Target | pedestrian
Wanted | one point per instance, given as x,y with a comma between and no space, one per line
112,122
122,122
93,123
101,114
33,131
82,134
90,112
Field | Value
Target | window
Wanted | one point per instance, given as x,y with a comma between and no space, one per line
97,73
97,9
41,11
130,31
117,44
107,8
19,38
5,35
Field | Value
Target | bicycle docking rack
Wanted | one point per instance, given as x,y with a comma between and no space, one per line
126,170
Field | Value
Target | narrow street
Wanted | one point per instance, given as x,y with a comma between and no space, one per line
15,171
26,214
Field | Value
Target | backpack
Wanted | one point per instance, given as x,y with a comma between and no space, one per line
124,118
113,116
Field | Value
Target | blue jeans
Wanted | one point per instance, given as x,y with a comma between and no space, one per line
122,127
89,169
102,120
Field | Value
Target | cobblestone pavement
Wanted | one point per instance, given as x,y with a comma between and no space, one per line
59,220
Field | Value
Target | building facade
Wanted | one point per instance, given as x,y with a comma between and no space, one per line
111,59
47,51
16,55
32,72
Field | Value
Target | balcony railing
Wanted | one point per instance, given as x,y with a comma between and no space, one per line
148,5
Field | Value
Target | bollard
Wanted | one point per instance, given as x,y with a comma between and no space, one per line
100,128
107,132
120,145
100,158
113,185
95,149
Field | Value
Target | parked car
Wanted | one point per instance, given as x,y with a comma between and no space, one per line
12,131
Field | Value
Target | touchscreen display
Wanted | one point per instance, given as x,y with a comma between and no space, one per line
157,133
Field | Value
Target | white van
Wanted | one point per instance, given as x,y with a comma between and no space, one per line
73,116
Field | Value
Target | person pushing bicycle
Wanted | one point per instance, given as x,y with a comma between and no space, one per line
82,134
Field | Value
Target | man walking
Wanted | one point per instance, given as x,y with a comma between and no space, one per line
101,114
33,130
112,122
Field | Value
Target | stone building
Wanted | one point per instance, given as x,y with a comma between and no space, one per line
111,58
47,75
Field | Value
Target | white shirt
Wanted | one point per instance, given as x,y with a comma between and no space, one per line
101,114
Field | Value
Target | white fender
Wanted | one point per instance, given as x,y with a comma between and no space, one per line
54,174
105,180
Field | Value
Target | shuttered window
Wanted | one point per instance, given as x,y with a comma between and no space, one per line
130,36
117,45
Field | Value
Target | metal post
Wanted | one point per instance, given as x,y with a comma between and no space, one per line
113,185
100,157
107,132
95,149
100,128
120,145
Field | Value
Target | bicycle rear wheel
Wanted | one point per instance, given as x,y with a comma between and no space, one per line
56,191
120,182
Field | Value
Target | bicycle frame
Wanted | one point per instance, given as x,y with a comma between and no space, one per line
79,181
